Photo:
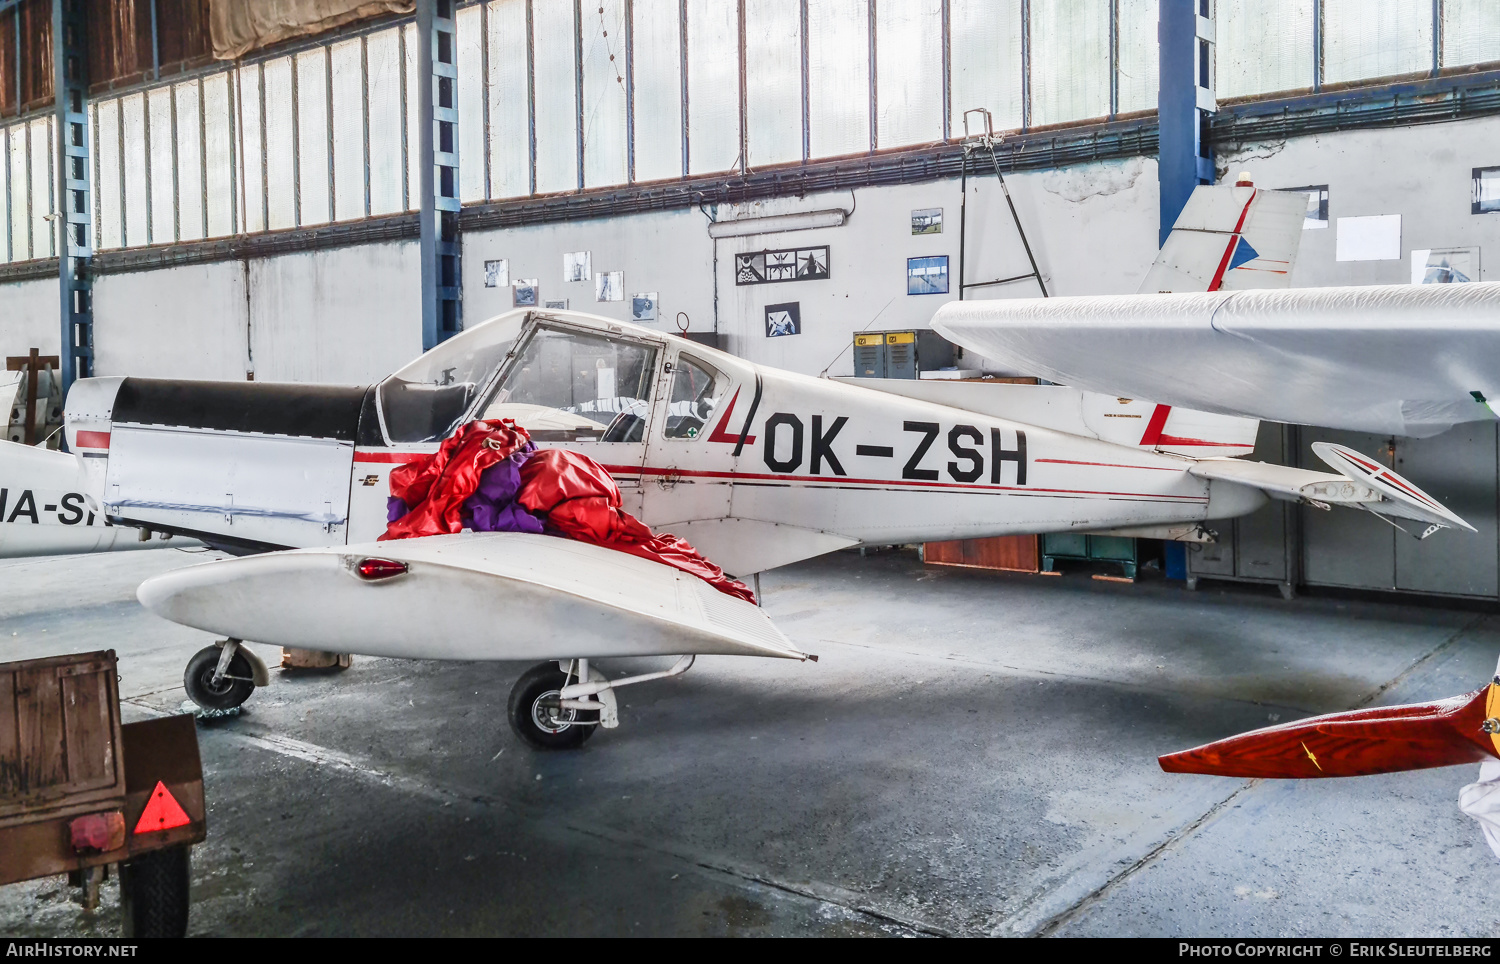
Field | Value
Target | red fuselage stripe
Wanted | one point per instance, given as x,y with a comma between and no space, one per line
389,456
905,483
93,440
1113,465
1174,440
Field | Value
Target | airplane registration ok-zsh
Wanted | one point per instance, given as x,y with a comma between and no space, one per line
754,466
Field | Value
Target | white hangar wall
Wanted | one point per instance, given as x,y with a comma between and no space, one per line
1421,173
347,315
1093,228
352,314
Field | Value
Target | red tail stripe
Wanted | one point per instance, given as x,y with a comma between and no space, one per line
1157,423
1234,239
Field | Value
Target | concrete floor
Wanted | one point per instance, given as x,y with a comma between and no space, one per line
974,754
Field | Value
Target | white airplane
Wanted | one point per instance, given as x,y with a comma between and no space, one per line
754,466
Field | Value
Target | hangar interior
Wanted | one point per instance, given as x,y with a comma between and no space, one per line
247,200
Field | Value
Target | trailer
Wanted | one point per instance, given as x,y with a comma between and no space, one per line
80,793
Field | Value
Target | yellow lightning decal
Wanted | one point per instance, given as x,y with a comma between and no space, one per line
1312,758
1491,710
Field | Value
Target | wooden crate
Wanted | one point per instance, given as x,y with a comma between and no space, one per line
1007,553
59,737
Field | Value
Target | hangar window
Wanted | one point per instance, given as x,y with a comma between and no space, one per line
696,391
570,386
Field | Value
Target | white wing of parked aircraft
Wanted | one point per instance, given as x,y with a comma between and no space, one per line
1216,329
1409,360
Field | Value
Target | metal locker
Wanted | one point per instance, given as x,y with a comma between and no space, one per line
869,355
901,354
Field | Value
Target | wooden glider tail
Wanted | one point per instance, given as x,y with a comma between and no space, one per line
1386,739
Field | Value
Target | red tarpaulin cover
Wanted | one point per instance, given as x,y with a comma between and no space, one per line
436,486
579,498
573,492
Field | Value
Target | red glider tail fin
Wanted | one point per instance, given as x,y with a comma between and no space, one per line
1387,739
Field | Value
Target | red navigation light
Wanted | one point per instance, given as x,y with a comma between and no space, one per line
373,569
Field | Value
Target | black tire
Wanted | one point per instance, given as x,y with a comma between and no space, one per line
154,894
198,679
526,717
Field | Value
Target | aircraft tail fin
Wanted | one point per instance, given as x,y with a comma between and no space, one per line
1386,739
1230,237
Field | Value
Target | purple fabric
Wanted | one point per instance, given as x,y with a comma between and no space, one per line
492,507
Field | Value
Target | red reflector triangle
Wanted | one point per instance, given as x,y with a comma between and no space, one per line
162,812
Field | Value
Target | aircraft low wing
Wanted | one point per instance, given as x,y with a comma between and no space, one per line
472,596
1409,360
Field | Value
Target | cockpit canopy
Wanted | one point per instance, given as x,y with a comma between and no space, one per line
561,378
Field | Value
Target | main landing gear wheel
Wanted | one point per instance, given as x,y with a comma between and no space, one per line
233,688
538,720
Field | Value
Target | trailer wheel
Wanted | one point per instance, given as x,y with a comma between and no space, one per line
198,679
542,727
154,893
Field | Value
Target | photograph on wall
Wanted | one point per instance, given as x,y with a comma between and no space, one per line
497,274
560,304
1444,266
1485,190
783,319
525,293
609,286
1316,218
927,221
643,306
786,264
577,266
927,276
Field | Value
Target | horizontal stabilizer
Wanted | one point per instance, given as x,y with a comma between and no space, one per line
1401,498
1387,739
1363,484
471,596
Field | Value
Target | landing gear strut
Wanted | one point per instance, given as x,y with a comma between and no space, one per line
557,706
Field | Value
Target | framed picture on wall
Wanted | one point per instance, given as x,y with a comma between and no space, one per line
927,276
784,319
524,293
1444,266
577,266
609,286
497,273
644,306
560,304
1316,218
927,221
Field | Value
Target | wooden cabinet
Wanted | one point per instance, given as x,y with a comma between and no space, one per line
1007,553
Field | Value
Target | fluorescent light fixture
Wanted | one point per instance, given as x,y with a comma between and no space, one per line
801,221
